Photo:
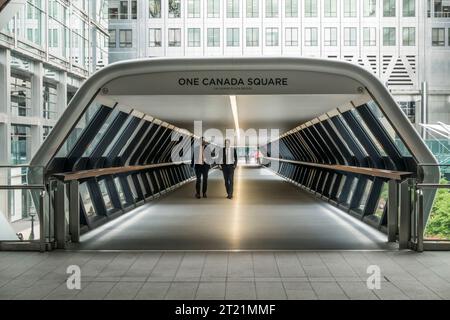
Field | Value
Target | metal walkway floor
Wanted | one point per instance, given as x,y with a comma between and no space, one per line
266,213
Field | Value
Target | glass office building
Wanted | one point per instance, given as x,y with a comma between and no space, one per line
406,43
46,51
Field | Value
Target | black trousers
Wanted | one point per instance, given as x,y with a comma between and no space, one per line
228,176
201,171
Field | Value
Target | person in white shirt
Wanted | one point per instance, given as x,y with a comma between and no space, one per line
201,167
229,163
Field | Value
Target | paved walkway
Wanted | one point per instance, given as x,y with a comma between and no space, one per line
267,213
225,275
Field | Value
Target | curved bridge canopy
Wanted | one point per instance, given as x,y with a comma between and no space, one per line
341,134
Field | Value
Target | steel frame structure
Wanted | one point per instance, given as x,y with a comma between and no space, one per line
115,136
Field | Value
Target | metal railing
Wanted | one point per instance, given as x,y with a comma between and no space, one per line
419,226
38,195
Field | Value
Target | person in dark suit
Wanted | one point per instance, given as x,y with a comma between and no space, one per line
201,166
229,163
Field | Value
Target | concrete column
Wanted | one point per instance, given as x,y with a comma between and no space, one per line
37,89
36,139
5,135
5,75
61,103
37,105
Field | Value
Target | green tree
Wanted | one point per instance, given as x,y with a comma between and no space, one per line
439,221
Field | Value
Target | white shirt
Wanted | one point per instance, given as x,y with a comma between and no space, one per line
199,159
229,159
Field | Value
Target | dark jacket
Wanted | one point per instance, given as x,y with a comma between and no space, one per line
195,153
224,158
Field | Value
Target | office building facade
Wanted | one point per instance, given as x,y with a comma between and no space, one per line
47,50
406,43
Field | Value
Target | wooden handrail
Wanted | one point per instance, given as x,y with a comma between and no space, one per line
372,172
83,174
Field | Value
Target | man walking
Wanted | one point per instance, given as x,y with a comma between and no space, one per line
229,163
201,167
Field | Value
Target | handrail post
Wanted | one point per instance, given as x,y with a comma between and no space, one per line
392,211
420,222
43,220
60,215
74,211
404,235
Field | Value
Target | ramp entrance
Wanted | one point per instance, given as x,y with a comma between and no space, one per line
336,159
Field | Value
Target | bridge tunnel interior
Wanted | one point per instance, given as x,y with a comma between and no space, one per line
322,182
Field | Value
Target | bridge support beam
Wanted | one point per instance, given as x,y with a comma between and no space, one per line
74,211
392,211
404,236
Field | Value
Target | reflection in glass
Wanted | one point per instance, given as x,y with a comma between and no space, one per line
86,200
365,196
78,130
105,195
120,192
100,133
20,95
388,128
382,201
352,191
369,132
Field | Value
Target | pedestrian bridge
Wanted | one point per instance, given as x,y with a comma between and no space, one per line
339,159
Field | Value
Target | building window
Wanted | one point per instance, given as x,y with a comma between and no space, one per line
349,8
409,36
193,37
20,143
46,131
154,37
154,9
20,96
310,37
370,8
271,37
213,37
123,11
388,8
134,9
125,38
53,38
193,8
112,38
252,8
174,37
232,8
213,9
441,9
252,37
113,13
310,8
232,37
291,37
409,8
174,9
271,8
330,8
350,37
409,109
330,37
370,37
49,110
291,9
438,37
389,36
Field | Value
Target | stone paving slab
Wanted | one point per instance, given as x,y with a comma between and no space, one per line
225,275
